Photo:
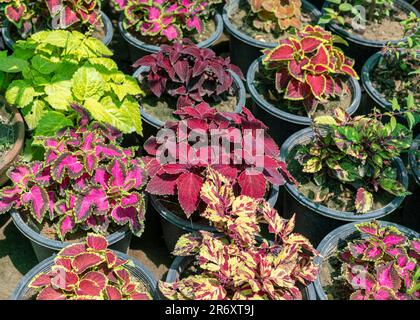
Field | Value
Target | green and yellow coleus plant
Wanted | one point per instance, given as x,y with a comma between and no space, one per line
89,271
52,69
168,20
308,68
237,265
86,182
384,264
30,16
356,152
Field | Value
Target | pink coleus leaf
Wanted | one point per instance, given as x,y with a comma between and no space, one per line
68,17
15,12
297,90
113,293
38,201
387,276
85,260
88,288
40,280
318,84
373,253
49,293
72,250
282,52
95,200
96,242
171,32
189,186
66,163
384,293
65,225
252,184
133,215
97,277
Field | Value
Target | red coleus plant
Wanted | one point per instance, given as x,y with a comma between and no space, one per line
308,67
382,264
238,266
165,18
188,73
89,271
236,145
87,181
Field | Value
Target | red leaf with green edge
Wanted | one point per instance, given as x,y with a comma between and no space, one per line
40,280
373,253
94,201
49,293
282,79
162,184
113,293
72,250
297,90
330,85
19,174
357,248
64,262
364,200
132,215
97,277
394,238
88,288
174,168
358,295
96,242
38,201
66,163
139,296
9,197
349,71
68,17
86,260
317,83
295,69
415,245
63,279
123,275
387,276
101,177
358,277
310,44
371,227
98,224
90,162
282,52
131,200
117,171
253,184
64,226
384,294
111,258
321,57
107,151
189,186
14,12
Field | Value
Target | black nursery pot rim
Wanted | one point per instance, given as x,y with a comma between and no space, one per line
306,134
401,4
147,278
330,241
132,40
250,40
284,115
188,225
109,31
179,264
57,245
412,159
241,95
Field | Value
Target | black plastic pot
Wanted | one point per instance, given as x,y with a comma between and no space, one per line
360,48
173,226
109,32
338,237
151,124
243,48
45,247
411,216
314,220
139,48
282,124
137,270
181,263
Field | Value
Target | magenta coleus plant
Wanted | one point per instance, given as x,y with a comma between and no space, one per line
233,153
381,265
87,181
27,15
188,74
89,271
170,19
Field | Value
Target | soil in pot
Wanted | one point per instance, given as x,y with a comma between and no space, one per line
266,88
391,83
332,194
242,19
162,108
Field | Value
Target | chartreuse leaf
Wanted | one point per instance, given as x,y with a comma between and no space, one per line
51,122
43,64
20,93
325,120
59,94
394,187
87,83
12,64
33,113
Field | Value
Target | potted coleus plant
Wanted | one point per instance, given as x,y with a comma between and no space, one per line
304,76
258,24
146,25
348,170
22,18
58,68
391,76
367,25
86,182
12,137
87,271
237,145
369,261
236,264
184,75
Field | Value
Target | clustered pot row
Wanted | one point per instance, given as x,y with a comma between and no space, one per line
80,175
